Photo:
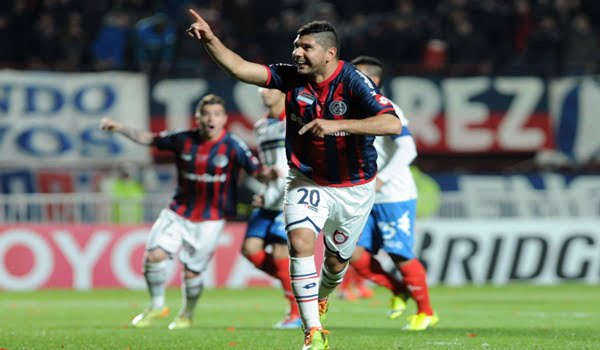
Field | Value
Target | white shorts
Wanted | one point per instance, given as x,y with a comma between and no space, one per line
340,212
199,239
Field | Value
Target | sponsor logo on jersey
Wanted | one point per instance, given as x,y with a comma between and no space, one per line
339,237
338,108
306,98
339,133
310,207
205,177
297,119
220,161
186,157
384,101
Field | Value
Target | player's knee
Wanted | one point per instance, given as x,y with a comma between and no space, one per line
156,255
302,243
280,251
334,264
251,246
189,274
358,252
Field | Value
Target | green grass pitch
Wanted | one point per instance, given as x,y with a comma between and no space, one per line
507,317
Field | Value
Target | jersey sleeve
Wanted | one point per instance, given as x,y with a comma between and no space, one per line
281,76
405,130
244,156
369,96
167,140
404,154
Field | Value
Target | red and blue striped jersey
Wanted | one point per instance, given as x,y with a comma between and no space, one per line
342,159
207,172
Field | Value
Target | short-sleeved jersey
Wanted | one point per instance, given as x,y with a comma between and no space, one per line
343,159
207,172
399,185
270,138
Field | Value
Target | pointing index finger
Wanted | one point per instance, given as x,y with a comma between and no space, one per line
302,130
195,15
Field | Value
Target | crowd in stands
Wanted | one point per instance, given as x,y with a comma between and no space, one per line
449,37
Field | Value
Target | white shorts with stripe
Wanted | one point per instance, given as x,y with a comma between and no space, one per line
340,212
197,240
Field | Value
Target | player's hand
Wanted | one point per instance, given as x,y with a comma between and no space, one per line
320,127
199,29
109,124
378,185
258,201
266,174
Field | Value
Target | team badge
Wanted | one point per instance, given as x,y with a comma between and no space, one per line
220,161
338,107
339,237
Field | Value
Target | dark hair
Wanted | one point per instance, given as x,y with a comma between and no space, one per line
367,60
373,66
323,32
210,99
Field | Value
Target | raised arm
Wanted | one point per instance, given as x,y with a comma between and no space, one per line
138,136
228,60
379,125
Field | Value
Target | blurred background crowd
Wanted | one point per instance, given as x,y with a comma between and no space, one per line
511,118
414,37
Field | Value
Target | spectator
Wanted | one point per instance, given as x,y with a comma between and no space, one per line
155,43
45,43
581,55
108,50
468,51
543,45
74,45
126,194
8,40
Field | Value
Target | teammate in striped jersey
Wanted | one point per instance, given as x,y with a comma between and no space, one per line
265,225
391,223
208,161
333,113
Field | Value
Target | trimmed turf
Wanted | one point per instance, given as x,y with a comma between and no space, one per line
508,317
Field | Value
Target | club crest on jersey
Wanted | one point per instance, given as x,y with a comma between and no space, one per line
306,98
339,237
338,108
220,161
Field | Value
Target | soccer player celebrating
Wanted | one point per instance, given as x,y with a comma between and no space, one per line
333,112
391,222
208,161
265,225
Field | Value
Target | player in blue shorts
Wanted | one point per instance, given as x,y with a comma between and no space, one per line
333,113
391,223
265,225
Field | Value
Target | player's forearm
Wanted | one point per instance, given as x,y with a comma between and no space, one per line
234,64
379,125
138,136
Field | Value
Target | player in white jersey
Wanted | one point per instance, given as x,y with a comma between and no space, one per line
391,223
265,225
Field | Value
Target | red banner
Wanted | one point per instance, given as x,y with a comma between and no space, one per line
101,256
